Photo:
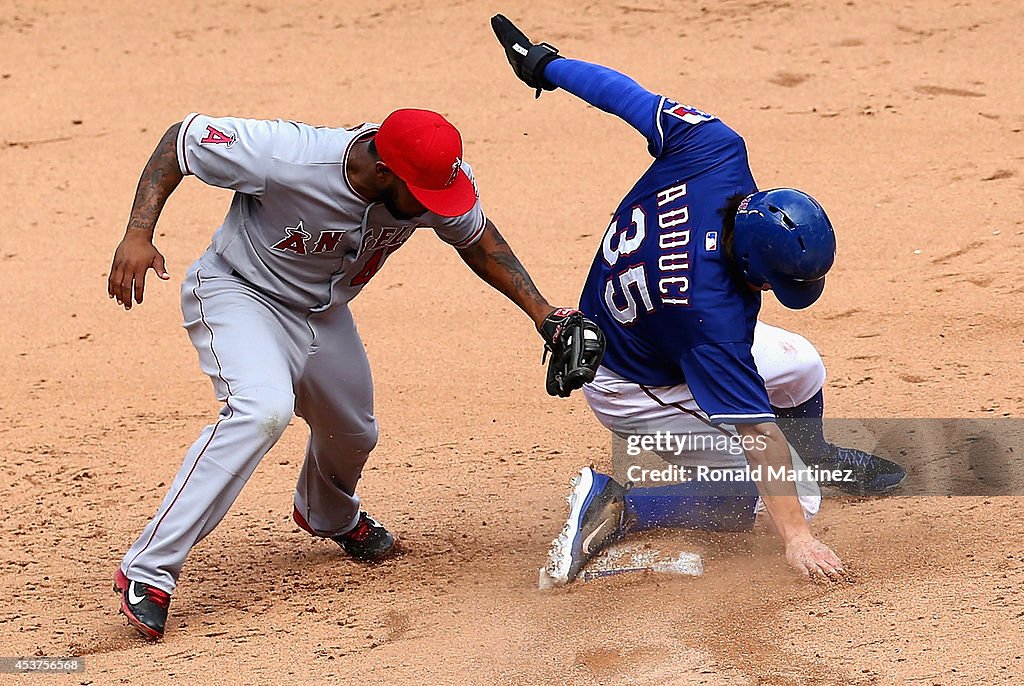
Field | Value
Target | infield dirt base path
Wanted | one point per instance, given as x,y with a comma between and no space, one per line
905,122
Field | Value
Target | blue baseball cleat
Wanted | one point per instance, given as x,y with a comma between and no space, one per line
873,475
597,517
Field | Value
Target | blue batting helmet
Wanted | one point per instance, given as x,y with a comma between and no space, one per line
783,237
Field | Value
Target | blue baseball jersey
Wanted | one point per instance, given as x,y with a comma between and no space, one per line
672,307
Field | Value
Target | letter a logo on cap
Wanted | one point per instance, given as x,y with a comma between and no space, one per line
456,166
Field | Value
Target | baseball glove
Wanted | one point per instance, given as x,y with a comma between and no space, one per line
576,347
527,60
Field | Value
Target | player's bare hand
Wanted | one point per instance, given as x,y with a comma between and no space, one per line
815,560
135,256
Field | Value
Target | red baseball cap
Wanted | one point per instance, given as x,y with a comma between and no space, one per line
423,149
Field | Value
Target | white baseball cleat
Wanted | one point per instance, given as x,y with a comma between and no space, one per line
597,516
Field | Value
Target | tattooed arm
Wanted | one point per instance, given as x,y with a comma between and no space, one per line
136,253
492,260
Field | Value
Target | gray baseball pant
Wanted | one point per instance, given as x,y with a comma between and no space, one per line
267,362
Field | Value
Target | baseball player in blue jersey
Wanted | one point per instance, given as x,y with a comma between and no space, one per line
676,286
315,214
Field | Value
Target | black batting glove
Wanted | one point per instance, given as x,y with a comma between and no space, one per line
527,60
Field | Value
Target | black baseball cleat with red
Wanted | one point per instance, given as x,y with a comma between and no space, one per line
369,541
145,606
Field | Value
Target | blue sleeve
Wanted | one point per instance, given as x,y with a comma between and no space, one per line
663,122
725,383
610,91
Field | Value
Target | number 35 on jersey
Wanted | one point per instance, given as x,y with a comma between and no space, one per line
626,292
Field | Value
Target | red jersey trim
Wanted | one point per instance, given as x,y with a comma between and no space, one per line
182,159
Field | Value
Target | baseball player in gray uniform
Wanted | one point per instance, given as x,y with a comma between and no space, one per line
316,213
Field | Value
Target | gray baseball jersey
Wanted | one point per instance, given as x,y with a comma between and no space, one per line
297,229
266,309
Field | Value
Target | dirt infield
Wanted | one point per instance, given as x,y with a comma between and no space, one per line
906,123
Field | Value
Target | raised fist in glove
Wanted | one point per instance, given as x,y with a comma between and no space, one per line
576,347
527,60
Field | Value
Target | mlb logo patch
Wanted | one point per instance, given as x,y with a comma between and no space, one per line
711,241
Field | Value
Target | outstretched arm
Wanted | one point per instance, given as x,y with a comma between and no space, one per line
575,343
492,260
136,253
608,90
